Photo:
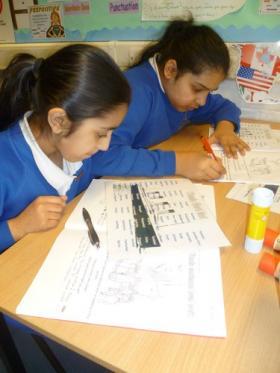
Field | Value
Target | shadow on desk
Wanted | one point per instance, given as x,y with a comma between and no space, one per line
32,353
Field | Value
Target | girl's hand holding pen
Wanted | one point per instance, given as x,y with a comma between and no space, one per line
225,136
198,166
42,214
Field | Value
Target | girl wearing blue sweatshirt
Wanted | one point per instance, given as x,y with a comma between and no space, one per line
54,115
171,87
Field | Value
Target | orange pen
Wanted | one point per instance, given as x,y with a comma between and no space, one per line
207,147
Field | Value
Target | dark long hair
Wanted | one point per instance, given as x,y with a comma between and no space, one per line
194,47
81,79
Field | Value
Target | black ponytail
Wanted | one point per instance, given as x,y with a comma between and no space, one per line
81,79
194,47
17,83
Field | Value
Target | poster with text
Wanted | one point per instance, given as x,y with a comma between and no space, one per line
201,10
46,21
270,6
6,26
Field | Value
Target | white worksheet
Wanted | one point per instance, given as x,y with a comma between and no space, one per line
170,214
253,167
243,193
201,10
260,137
140,216
170,293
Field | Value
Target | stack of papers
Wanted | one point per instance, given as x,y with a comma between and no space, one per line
243,193
261,164
258,168
260,137
158,266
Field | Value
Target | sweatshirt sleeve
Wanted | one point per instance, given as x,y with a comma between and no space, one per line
122,158
6,239
216,109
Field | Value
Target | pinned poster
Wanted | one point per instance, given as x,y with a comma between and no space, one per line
6,26
270,6
258,74
201,10
46,21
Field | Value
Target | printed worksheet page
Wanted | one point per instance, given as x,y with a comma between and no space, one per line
253,167
171,293
260,137
243,193
145,217
141,216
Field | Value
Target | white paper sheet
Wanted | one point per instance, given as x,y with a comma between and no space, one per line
243,193
176,213
149,215
201,10
253,167
6,25
260,137
177,293
94,200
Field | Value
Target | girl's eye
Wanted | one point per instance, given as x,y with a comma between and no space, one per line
101,135
198,89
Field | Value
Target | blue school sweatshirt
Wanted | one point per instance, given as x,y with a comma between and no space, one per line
152,119
21,181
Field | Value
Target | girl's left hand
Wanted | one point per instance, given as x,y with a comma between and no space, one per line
225,136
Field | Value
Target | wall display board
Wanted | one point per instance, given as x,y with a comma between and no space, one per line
105,20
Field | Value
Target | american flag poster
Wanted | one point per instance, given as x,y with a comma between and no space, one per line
258,71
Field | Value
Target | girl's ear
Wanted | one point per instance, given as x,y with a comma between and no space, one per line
170,69
58,121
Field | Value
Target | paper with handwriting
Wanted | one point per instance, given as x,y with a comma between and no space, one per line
201,10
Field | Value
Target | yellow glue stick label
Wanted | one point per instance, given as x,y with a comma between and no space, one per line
257,222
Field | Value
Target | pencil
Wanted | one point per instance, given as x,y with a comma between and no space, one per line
207,147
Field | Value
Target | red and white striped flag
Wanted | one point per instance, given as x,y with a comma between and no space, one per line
254,80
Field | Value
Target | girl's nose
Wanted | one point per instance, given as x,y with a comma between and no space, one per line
104,142
201,98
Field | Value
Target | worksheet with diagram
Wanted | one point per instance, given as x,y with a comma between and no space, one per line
168,293
260,137
253,167
177,291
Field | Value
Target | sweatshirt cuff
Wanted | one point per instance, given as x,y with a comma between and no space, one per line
7,239
169,163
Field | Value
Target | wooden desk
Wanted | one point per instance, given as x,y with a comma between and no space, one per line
251,304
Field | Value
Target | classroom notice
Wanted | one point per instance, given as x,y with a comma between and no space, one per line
201,10
6,27
46,21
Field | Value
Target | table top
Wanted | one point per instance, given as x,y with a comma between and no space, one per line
252,303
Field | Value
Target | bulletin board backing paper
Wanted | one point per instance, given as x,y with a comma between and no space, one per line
244,25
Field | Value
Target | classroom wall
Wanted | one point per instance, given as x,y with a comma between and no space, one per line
242,26
124,53
100,23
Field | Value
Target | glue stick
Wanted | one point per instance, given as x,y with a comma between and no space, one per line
270,265
262,199
272,239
